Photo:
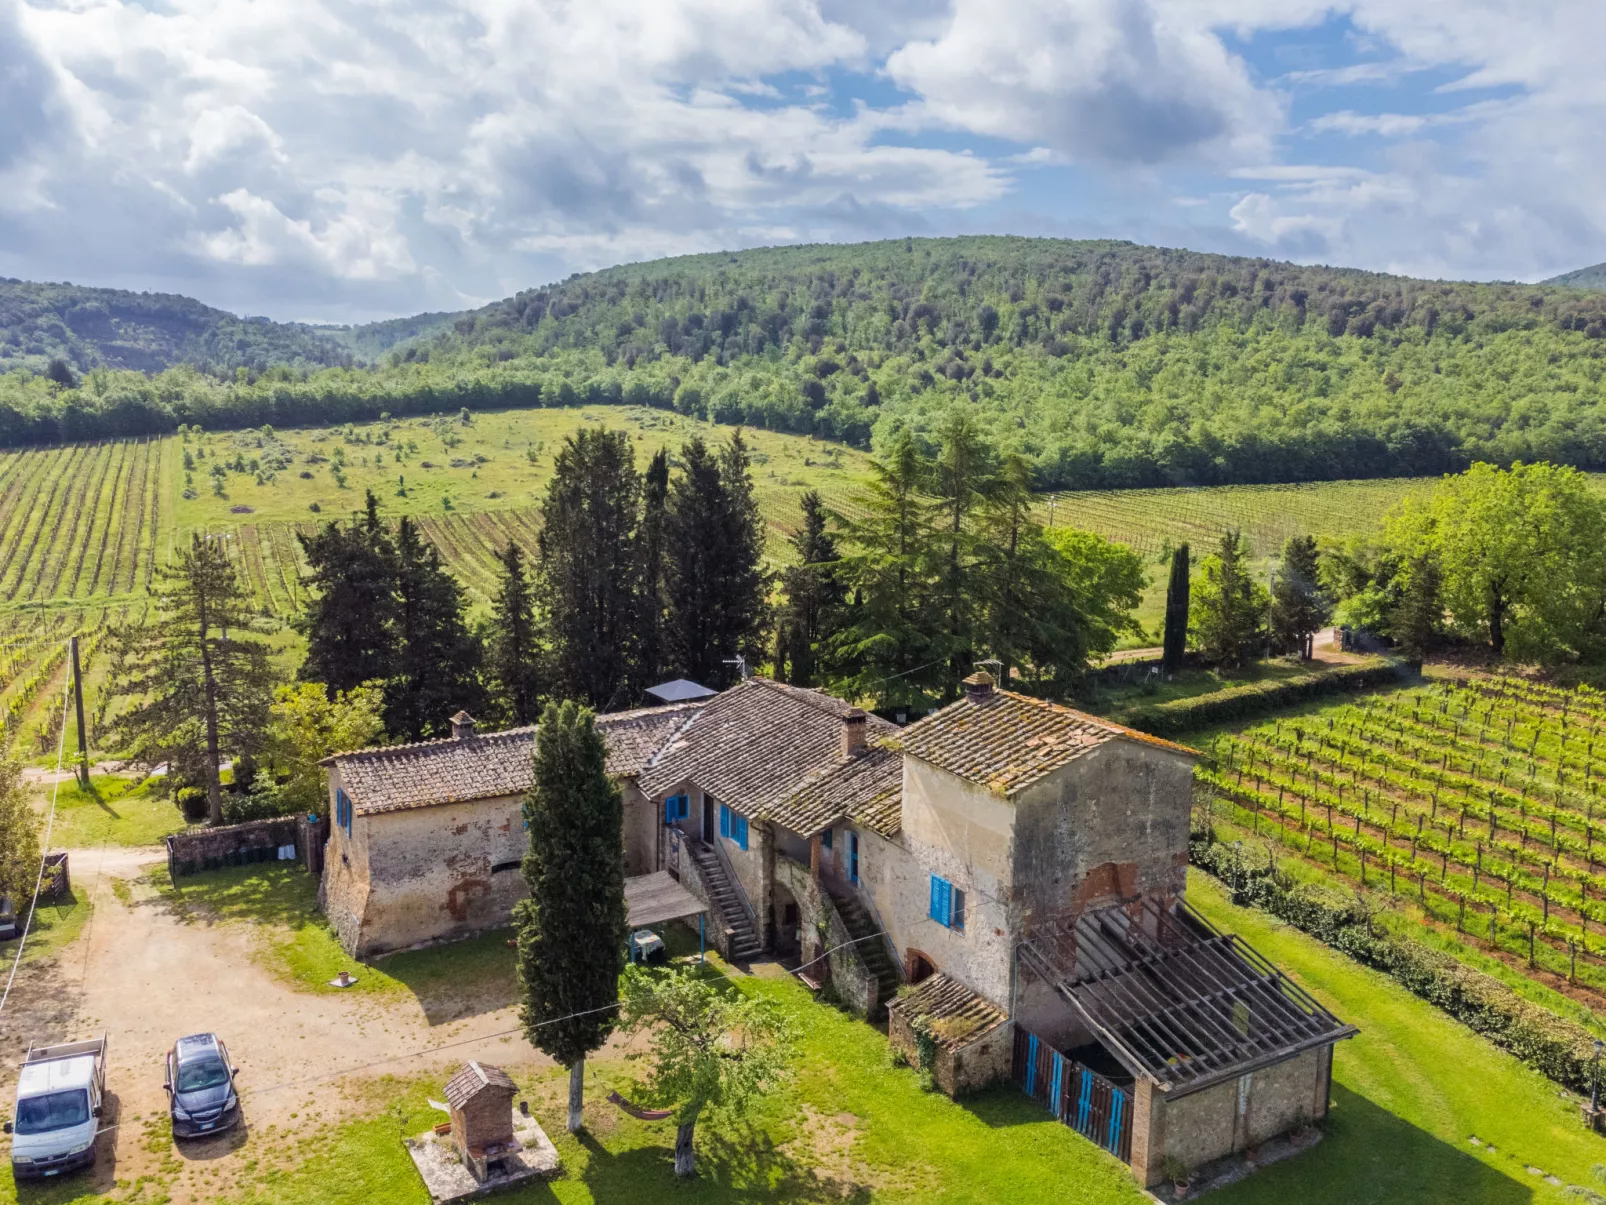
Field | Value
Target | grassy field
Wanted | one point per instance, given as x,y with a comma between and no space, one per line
114,811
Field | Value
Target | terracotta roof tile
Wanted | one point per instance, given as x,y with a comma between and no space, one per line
954,1015
1006,741
473,1079
756,744
867,789
427,773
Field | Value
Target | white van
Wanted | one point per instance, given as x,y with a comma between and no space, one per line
59,1099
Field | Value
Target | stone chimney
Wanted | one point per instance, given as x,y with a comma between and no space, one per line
853,729
462,726
979,686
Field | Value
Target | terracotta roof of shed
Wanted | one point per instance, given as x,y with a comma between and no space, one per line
753,746
426,773
1006,741
473,1079
867,789
954,1015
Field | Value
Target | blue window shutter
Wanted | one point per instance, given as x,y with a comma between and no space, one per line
684,810
935,911
669,810
724,821
744,832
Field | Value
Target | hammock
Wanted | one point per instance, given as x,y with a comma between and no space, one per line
637,1111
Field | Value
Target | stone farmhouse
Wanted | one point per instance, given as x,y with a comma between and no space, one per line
1003,880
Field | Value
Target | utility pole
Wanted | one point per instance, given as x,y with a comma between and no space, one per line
83,734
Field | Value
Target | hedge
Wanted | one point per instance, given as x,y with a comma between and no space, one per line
1255,698
1559,1049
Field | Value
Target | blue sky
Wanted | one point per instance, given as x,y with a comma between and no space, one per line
322,160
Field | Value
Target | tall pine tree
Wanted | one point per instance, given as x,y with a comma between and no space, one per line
654,503
1299,606
437,657
1229,606
812,611
513,655
964,478
204,686
349,623
715,585
590,568
1176,612
571,930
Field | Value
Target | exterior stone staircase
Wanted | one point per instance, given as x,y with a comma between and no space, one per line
868,940
731,911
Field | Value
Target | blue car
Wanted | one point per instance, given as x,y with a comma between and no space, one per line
200,1087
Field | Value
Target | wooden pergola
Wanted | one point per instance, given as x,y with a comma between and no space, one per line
657,898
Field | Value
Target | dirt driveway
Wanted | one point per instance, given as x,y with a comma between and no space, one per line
146,976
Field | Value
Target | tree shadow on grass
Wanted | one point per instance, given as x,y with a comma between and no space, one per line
458,979
269,893
1005,1105
1370,1155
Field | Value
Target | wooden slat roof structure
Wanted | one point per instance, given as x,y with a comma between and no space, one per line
1174,999
656,898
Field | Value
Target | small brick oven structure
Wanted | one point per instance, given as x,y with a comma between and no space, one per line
481,1101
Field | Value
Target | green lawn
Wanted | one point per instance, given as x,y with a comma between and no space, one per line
54,928
114,811
1410,1093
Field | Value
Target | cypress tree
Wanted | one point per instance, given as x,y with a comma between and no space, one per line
1298,605
437,657
572,928
590,568
350,622
811,613
514,658
1176,611
654,500
714,584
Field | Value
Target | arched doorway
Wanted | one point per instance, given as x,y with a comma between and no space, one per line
788,921
917,966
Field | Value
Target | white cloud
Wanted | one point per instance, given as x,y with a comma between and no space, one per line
1111,81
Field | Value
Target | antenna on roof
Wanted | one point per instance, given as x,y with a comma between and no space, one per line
743,671
993,666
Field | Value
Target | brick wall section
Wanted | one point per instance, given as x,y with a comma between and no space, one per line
484,1120
233,845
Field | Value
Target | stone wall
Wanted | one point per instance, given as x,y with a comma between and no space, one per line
844,966
1228,1117
233,845
643,818
714,930
978,1064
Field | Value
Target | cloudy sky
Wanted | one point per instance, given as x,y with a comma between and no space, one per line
351,159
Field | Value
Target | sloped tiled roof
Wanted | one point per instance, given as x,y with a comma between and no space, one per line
954,1015
756,744
1006,741
483,767
867,789
473,1079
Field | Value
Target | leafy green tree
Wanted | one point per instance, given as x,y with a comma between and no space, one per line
654,514
1299,606
571,929
201,685
590,568
1229,606
1176,611
714,540
1417,621
19,836
888,647
306,726
713,1051
349,624
513,655
1519,555
1104,583
811,612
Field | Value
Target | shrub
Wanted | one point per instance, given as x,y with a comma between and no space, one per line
1256,698
1553,1046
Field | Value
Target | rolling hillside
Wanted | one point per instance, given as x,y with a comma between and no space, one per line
1593,277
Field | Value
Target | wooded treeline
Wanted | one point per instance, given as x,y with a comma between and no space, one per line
1103,364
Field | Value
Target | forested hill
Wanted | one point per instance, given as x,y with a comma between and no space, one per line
1593,277
87,328
1108,364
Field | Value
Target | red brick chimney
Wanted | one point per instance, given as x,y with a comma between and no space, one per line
853,729
979,686
462,726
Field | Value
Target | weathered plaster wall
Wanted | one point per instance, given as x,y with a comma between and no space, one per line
343,891
1122,805
972,1067
1228,1117
961,832
643,819
843,965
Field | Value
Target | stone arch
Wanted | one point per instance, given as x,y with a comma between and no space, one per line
918,965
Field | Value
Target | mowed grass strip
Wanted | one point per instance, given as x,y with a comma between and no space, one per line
115,810
1410,1093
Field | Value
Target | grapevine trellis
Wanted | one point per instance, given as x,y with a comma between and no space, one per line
1484,799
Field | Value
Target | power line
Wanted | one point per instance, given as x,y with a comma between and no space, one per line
44,853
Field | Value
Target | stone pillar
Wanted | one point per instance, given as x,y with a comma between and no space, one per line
814,858
764,905
1148,1133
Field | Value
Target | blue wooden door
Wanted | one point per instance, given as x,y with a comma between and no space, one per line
853,856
